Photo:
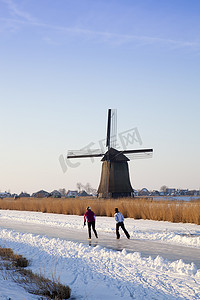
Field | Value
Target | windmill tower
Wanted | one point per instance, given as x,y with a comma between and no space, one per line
115,180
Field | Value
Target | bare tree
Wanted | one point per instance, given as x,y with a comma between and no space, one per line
163,188
62,191
79,185
88,188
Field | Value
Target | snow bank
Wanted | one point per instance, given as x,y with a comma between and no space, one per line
99,273
94,272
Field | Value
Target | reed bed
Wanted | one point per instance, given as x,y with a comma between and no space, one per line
137,208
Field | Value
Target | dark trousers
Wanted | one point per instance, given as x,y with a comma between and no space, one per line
92,224
121,224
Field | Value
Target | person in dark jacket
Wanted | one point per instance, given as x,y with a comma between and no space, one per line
89,216
120,223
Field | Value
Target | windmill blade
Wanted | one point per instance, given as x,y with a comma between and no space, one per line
138,153
111,137
84,153
108,129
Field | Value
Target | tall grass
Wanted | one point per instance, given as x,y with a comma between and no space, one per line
137,208
13,266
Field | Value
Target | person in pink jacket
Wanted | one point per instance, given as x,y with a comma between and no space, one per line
89,216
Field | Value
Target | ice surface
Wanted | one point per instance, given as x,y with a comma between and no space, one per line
98,272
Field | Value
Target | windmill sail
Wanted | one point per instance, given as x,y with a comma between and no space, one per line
108,129
84,153
113,138
131,154
115,181
138,153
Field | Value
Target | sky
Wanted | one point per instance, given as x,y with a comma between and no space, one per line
65,63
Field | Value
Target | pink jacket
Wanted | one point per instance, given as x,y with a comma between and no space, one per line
89,216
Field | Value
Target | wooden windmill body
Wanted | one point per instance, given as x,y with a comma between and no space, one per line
115,179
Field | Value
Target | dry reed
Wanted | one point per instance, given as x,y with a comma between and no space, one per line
137,208
17,260
35,284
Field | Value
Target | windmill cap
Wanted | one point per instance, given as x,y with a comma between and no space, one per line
116,209
88,207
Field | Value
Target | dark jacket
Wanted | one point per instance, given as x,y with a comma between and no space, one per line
89,216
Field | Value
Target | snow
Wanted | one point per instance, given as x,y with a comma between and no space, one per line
97,272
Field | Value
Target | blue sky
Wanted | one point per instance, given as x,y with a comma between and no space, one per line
64,63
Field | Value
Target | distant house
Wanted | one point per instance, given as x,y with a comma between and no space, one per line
170,191
162,193
83,194
183,192
155,193
144,192
71,194
192,193
135,192
23,194
40,194
4,195
55,194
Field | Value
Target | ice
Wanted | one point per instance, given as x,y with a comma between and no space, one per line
96,272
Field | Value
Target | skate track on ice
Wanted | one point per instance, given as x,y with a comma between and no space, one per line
145,247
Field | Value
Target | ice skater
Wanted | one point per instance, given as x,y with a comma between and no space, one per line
120,223
89,216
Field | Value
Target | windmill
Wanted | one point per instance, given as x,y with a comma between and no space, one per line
115,180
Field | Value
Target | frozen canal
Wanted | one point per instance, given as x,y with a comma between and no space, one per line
145,247
160,261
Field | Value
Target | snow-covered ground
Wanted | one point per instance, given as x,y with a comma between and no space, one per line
97,272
